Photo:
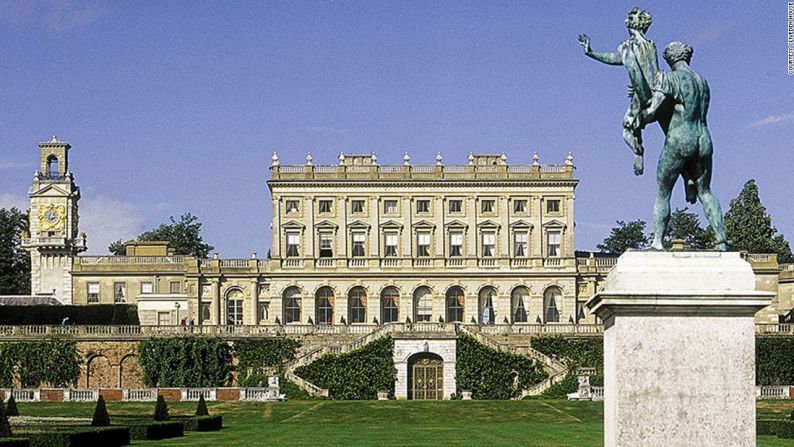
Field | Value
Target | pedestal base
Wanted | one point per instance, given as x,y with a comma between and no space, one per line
679,349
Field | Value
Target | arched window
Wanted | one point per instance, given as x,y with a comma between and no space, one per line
292,305
234,307
324,306
52,167
486,301
519,303
423,304
389,302
455,299
357,305
551,299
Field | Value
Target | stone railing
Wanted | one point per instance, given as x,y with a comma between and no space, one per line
132,260
597,392
194,394
425,172
140,394
774,329
774,392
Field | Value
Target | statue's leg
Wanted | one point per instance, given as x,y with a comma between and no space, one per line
711,205
690,188
633,135
667,172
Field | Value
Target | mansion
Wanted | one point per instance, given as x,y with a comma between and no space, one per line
482,242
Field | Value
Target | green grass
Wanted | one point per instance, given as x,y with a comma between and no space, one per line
390,423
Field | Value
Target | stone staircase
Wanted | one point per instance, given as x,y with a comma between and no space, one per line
520,344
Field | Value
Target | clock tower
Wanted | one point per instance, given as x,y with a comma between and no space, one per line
53,241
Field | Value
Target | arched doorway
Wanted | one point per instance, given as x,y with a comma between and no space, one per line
487,312
425,377
234,307
455,301
324,306
552,298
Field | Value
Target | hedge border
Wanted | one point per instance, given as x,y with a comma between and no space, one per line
204,423
14,442
105,436
784,429
157,430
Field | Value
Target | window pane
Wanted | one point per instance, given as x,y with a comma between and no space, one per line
358,237
554,237
456,239
488,238
424,238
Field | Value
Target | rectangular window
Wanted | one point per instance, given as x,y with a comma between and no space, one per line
520,206
488,243
390,245
204,312
292,206
487,206
456,244
324,206
456,206
326,245
552,206
293,245
553,244
264,310
119,292
390,207
175,287
356,206
422,206
93,292
520,244
164,318
358,244
147,288
423,244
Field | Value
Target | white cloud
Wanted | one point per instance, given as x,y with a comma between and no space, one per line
13,164
106,220
772,119
14,201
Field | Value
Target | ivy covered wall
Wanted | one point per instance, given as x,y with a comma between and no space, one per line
258,358
52,361
186,362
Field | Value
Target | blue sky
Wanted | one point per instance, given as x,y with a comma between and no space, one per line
177,107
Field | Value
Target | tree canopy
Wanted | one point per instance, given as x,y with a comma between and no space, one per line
14,260
624,236
183,236
685,226
749,227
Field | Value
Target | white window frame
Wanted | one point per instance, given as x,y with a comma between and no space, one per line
293,239
425,206
388,209
491,206
459,206
524,245
491,235
93,291
321,203
452,236
423,240
558,206
557,252
147,288
354,206
393,249
523,203
289,208
358,237
326,236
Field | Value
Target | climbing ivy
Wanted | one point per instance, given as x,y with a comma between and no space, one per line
257,358
587,352
492,374
359,374
185,362
774,360
52,361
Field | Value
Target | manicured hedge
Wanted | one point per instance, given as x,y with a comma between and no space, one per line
14,442
157,430
492,374
105,436
52,360
765,426
185,362
204,423
256,357
774,360
784,429
588,352
95,314
358,374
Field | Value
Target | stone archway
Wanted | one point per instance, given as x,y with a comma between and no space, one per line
425,376
99,373
130,373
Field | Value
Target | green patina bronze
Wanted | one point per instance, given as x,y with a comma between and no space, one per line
678,100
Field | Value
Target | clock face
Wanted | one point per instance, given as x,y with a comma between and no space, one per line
52,217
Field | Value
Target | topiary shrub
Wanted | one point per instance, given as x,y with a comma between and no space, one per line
5,426
201,408
492,374
161,409
359,374
12,410
101,417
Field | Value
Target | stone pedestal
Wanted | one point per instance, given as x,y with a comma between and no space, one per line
679,349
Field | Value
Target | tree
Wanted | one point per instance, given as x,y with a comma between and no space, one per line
183,236
161,409
686,226
101,417
117,248
14,260
624,236
748,227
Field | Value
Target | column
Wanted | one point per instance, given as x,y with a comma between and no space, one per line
215,308
254,301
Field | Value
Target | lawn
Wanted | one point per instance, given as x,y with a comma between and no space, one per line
388,423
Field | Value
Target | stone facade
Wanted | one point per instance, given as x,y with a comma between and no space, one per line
406,349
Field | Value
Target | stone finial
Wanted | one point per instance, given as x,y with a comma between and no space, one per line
253,255
36,174
215,256
569,159
276,162
439,158
503,157
54,139
535,159
309,159
374,159
471,158
82,235
341,158
406,159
